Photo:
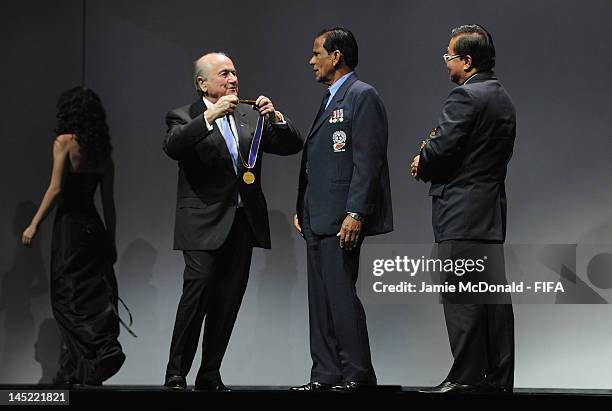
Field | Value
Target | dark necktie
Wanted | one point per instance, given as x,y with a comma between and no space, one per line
323,103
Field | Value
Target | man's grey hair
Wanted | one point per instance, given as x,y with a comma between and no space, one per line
202,70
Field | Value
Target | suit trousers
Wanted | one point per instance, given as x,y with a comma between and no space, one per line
480,327
339,344
214,282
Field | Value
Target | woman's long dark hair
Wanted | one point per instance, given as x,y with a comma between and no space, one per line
80,112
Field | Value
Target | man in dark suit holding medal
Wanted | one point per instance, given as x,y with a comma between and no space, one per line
221,213
465,159
344,195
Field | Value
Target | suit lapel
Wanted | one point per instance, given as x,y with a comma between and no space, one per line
336,100
197,108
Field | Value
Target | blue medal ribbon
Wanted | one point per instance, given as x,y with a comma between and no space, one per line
255,143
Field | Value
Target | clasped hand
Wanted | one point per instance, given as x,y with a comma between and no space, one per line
414,167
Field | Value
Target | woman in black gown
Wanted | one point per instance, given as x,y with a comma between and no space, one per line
83,285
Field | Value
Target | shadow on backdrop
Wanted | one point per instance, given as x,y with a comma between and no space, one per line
47,350
599,271
562,259
276,281
135,275
599,267
25,280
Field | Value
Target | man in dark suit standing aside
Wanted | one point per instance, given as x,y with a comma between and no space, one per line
465,159
221,213
344,195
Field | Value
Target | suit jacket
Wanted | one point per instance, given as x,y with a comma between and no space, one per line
208,186
344,163
466,161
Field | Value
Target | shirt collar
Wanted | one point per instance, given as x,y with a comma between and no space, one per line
334,87
471,77
207,102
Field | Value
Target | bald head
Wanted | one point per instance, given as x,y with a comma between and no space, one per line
215,76
201,66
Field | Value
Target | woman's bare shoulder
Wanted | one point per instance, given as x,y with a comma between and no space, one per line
65,140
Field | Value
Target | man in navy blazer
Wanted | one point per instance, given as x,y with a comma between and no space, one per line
221,212
344,195
465,159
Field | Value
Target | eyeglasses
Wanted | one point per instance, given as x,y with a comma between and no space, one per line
448,57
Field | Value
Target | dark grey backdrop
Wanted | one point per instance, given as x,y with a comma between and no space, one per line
553,57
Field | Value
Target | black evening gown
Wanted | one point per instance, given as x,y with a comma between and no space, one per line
83,286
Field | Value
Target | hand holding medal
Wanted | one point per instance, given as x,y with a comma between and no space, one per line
265,107
414,167
223,106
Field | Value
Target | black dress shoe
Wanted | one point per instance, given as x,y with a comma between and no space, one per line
493,389
312,386
211,386
86,385
448,387
62,383
353,386
176,382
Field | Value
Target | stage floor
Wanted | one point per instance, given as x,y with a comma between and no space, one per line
159,397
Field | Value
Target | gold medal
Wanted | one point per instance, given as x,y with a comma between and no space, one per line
248,177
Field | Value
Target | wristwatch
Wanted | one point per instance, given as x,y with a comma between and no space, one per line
356,216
